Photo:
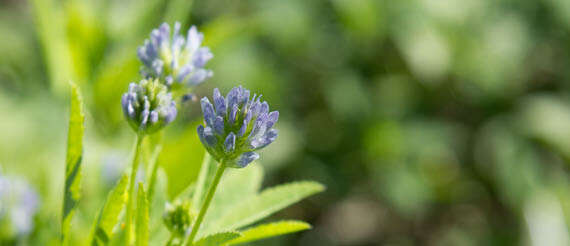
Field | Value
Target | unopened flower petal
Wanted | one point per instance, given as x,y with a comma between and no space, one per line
247,158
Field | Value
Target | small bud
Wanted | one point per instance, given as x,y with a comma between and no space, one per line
148,106
236,126
178,217
176,60
189,97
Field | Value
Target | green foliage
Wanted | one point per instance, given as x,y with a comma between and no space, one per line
180,158
444,116
178,10
236,186
142,218
270,230
237,202
219,238
72,192
109,216
264,204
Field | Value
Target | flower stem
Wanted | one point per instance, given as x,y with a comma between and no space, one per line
153,174
135,167
206,203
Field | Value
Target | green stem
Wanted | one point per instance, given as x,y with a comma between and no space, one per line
206,204
135,167
208,166
152,178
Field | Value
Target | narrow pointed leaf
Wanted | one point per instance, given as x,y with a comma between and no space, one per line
266,203
218,238
270,230
142,218
72,192
109,216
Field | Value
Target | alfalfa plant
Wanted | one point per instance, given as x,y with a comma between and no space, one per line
217,210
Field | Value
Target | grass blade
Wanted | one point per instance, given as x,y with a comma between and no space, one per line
109,215
72,192
142,226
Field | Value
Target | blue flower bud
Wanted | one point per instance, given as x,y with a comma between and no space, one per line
236,126
230,143
175,59
148,106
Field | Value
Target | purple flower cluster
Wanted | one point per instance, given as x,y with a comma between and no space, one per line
148,106
236,126
175,58
19,203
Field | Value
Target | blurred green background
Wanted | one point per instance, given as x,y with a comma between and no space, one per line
431,122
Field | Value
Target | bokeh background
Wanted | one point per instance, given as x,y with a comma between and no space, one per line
431,122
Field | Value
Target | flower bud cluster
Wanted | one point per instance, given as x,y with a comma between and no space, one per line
173,58
236,126
169,63
148,106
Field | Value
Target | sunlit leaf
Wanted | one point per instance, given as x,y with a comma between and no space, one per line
270,230
266,203
109,215
218,238
72,192
142,218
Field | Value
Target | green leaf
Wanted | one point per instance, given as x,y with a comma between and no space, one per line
142,226
270,230
72,192
109,215
218,238
266,203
